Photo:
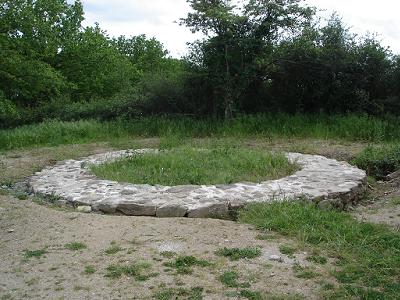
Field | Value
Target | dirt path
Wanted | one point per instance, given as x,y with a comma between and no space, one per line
60,273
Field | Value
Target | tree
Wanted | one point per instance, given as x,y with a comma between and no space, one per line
146,54
218,21
32,34
95,66
240,38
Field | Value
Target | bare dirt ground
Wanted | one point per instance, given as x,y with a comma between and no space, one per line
382,206
61,273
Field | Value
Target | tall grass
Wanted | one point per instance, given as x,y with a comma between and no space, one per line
349,127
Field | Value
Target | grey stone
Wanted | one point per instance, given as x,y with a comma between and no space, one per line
393,175
320,179
325,205
84,209
171,210
133,209
182,189
276,258
210,210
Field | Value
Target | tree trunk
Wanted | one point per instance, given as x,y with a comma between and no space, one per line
228,105
228,92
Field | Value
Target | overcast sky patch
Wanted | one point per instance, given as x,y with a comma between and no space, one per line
157,18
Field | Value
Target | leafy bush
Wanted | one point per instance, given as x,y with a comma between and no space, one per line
379,161
8,111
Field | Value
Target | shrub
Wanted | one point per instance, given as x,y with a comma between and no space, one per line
379,161
8,112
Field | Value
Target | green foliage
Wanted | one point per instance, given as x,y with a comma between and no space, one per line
251,295
33,32
147,55
379,161
168,254
113,249
196,166
350,128
34,253
239,253
366,254
163,93
238,38
287,249
343,73
258,57
184,264
50,60
8,109
89,270
195,293
75,246
133,270
94,66
304,272
318,259
230,279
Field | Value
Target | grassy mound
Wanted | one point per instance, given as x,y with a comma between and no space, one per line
192,166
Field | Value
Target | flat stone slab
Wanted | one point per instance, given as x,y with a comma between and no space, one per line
320,179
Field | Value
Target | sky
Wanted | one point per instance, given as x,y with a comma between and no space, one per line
158,18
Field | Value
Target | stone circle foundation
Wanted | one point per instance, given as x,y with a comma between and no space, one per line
325,181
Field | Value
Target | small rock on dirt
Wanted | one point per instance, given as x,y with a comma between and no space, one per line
325,205
84,209
276,258
393,175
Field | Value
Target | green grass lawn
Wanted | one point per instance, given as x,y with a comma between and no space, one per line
220,165
366,256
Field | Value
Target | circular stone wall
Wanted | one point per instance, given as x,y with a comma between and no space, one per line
320,179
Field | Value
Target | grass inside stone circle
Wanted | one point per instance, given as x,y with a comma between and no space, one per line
182,166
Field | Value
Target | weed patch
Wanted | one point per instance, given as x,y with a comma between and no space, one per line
184,264
265,237
21,196
304,272
75,246
113,249
288,250
318,259
239,253
34,253
168,254
230,279
251,295
195,293
134,270
89,270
